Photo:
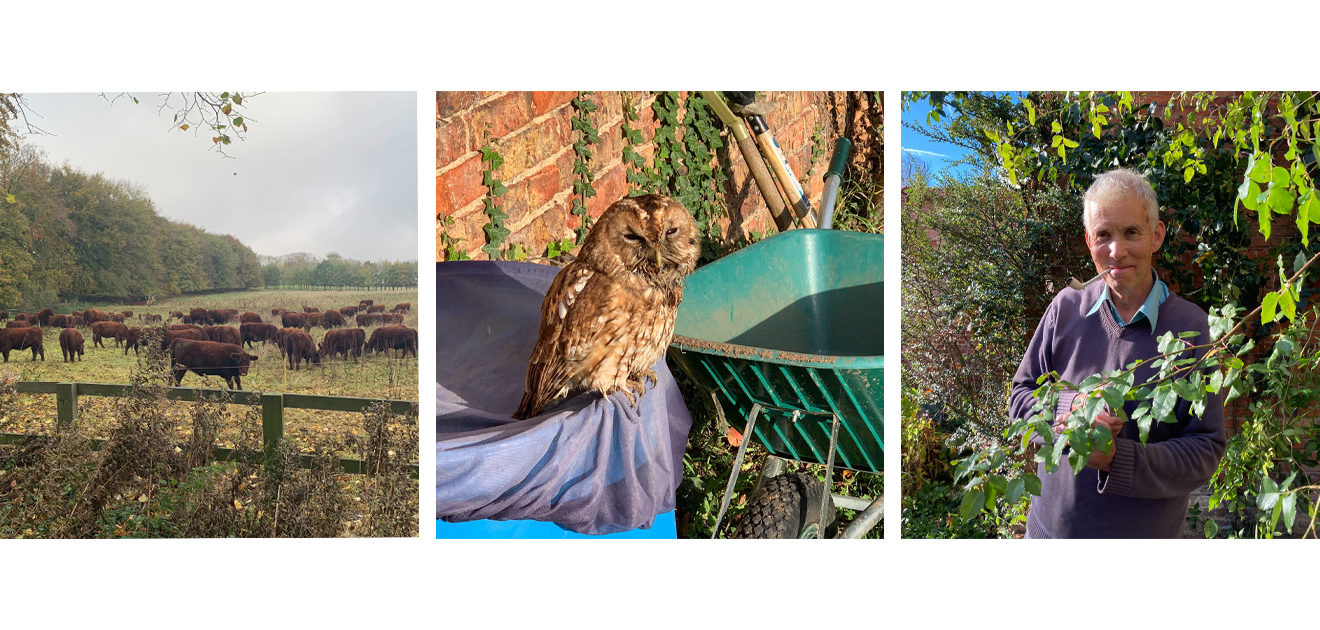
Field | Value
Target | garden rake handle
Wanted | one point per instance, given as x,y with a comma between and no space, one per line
755,164
782,171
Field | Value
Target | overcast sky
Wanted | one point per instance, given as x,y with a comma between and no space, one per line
318,172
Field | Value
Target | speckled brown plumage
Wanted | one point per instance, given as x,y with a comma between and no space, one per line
609,315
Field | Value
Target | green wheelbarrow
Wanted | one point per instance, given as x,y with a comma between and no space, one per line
788,334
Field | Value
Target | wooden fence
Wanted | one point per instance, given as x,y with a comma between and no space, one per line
272,405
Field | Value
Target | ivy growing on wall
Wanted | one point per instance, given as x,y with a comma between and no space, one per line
587,135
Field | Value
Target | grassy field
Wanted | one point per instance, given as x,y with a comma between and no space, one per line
374,376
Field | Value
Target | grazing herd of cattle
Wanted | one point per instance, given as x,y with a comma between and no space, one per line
205,344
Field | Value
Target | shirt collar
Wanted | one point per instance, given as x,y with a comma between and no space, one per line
1150,309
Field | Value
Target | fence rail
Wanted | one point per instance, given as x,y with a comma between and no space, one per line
272,406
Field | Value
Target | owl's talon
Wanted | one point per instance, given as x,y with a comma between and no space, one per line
649,375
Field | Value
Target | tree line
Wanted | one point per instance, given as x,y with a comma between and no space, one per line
68,235
306,270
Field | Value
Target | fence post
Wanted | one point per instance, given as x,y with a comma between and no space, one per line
66,404
272,423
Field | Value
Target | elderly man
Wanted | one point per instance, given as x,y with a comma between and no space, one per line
1134,490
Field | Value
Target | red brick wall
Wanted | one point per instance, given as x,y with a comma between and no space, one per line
533,133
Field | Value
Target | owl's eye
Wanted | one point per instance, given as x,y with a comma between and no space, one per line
633,237
672,231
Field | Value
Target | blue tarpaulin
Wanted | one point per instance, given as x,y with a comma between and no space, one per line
593,465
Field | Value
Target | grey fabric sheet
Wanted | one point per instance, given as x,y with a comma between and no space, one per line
592,465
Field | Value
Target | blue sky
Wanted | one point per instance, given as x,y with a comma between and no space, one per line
940,157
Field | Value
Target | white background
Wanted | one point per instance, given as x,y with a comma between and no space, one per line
390,45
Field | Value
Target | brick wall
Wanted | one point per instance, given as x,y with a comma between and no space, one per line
533,133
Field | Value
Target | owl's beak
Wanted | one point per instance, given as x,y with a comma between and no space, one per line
659,263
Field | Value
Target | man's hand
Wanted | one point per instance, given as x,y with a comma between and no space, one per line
1099,460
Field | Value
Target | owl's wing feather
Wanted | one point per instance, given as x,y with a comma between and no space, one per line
564,338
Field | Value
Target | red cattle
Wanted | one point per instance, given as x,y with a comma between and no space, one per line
176,315
224,334
376,308
194,333
257,333
313,319
44,316
365,320
198,316
249,318
275,312
298,345
108,330
219,316
390,338
311,309
289,319
347,342
402,308
210,358
71,344
332,319
17,323
348,311
22,339
134,339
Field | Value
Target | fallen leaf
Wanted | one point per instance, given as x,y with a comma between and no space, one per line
238,505
735,437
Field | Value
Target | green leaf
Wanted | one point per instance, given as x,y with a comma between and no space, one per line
1258,170
1287,305
1289,510
972,503
1032,483
1211,528
1269,495
1014,490
1056,127
1268,307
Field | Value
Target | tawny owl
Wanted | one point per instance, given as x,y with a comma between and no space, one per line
609,315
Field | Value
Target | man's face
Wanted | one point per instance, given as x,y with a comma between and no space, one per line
1122,238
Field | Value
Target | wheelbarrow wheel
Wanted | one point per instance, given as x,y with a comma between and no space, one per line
788,506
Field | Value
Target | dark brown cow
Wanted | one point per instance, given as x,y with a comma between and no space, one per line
210,358
149,318
71,344
348,311
4,315
77,321
365,304
390,338
313,319
249,318
133,339
198,316
299,345
17,323
365,320
194,334
22,339
126,314
224,334
257,333
176,315
44,316
347,342
290,319
275,312
402,308
311,309
61,321
108,330
219,316
391,319
91,316
376,308
332,319
116,317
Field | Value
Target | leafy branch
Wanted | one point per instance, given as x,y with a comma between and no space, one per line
587,135
495,231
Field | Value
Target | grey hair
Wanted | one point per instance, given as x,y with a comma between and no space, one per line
1116,183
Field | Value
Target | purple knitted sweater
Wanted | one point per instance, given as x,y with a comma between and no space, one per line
1144,494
